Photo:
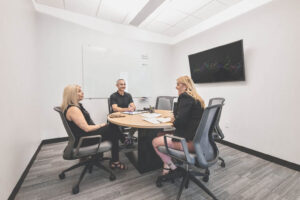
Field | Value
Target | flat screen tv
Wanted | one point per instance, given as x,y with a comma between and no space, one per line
219,64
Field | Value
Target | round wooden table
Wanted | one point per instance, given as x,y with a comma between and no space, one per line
144,158
136,121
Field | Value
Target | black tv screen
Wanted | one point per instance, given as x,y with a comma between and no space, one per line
220,64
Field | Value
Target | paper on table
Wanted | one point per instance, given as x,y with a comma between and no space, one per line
151,120
150,115
163,120
133,112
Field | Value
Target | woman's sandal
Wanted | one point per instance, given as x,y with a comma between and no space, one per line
166,171
117,165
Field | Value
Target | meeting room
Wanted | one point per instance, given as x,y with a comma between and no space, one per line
150,99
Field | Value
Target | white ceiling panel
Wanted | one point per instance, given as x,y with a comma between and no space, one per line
87,7
134,8
209,10
188,22
229,2
112,10
120,11
157,26
161,9
172,31
171,17
188,6
52,3
168,17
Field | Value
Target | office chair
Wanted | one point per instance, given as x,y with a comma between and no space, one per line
164,102
218,133
130,138
206,153
93,153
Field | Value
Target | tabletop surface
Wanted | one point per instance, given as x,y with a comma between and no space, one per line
137,121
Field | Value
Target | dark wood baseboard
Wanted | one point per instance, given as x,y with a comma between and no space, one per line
267,157
54,140
24,174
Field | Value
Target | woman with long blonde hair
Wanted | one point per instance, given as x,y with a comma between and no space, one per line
190,107
81,124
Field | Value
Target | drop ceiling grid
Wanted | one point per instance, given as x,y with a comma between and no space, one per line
205,10
171,18
120,11
178,16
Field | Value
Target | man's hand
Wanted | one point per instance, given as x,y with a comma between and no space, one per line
131,109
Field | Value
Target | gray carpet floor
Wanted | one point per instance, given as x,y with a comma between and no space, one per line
244,177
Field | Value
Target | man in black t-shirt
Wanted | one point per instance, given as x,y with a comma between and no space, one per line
122,101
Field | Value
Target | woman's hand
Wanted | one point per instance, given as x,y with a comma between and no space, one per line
172,119
102,125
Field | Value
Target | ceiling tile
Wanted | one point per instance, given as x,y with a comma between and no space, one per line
229,2
133,8
120,11
171,16
188,22
209,10
157,26
188,6
111,10
172,31
52,3
161,9
87,7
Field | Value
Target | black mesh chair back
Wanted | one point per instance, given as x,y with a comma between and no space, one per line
175,104
217,129
164,102
68,152
205,147
110,110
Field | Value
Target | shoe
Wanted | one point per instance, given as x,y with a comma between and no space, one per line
128,142
122,138
171,176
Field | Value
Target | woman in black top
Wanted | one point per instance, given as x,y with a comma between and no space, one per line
81,124
186,119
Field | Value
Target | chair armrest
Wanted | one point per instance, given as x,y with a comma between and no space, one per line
81,139
184,146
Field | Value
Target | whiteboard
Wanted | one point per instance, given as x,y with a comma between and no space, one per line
102,67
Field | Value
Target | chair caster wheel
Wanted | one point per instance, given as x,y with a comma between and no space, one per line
222,164
62,176
75,189
112,177
158,183
205,178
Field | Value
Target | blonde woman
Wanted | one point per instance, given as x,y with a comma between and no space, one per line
81,124
187,117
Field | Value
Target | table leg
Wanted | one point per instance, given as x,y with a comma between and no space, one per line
145,158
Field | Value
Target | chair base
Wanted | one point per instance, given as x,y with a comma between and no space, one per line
186,177
88,166
222,162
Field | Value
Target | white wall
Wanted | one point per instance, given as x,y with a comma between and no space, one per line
60,61
40,55
20,104
263,112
